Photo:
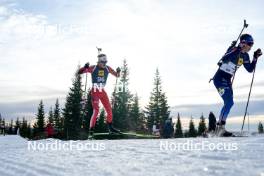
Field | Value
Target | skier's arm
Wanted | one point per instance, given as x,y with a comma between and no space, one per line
113,72
231,47
251,66
86,69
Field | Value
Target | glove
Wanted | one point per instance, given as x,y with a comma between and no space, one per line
257,53
118,70
233,44
87,65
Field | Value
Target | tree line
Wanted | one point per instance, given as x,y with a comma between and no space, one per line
72,121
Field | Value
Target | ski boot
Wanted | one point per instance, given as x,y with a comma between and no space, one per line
221,131
113,130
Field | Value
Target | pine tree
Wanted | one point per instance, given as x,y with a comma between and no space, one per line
135,115
202,126
29,134
4,126
72,111
40,124
260,128
121,100
10,130
17,126
24,128
101,126
51,117
88,111
1,128
157,110
178,131
58,121
192,131
212,122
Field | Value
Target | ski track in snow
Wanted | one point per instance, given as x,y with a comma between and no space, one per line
133,157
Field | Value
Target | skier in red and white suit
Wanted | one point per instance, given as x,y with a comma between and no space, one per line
99,75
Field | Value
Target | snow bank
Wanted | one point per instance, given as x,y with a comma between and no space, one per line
134,157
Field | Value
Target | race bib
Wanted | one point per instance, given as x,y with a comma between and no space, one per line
240,61
101,73
229,67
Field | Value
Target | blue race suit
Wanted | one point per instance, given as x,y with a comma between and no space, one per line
231,61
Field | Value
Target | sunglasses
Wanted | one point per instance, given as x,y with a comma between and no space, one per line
250,43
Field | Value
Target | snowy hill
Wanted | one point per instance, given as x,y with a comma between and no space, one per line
240,156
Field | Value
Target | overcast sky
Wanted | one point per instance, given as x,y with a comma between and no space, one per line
43,41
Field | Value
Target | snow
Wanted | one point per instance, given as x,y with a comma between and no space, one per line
133,157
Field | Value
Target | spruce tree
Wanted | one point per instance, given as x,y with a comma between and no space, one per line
24,128
212,122
178,131
157,110
192,131
28,133
202,126
4,126
10,130
1,126
58,121
88,112
40,124
121,100
72,110
51,117
17,126
101,126
135,115
260,128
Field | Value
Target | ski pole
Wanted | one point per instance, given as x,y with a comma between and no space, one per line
245,25
99,50
249,94
85,87
114,95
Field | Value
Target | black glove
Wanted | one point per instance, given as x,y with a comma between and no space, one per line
87,65
233,44
257,53
118,70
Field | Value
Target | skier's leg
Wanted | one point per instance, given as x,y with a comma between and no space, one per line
95,104
227,96
106,103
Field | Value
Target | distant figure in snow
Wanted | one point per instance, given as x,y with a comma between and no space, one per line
49,130
155,129
168,129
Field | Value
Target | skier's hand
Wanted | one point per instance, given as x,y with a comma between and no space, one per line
118,70
87,65
257,53
233,43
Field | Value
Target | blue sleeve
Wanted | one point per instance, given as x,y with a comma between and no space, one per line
249,66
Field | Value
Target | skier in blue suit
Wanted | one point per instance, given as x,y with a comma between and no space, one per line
230,62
